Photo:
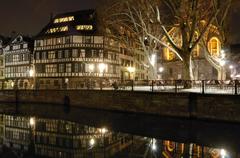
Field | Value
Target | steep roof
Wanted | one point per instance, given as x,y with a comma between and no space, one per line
4,40
69,22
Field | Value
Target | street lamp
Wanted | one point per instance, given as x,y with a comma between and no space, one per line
32,122
161,69
103,130
131,70
92,142
102,67
12,84
223,153
222,62
31,73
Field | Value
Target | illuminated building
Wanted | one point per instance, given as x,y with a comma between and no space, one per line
202,69
70,52
2,40
131,56
18,54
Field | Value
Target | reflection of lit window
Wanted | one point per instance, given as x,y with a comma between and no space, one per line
169,55
84,27
64,19
214,47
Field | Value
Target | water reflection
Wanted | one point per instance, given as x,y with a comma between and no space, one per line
24,136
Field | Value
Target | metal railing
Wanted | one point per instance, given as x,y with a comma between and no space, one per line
170,86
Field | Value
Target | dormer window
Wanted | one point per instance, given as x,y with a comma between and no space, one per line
84,27
57,29
64,19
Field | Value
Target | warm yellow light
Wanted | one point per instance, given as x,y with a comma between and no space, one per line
161,69
91,67
91,142
12,84
57,29
64,19
103,130
102,67
223,153
131,69
31,72
32,121
84,27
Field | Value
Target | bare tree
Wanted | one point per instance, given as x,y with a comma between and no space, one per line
150,20
128,22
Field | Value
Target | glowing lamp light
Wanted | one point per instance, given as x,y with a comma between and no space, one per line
161,69
92,142
223,153
12,84
102,67
131,69
222,62
32,121
231,67
31,72
103,130
91,67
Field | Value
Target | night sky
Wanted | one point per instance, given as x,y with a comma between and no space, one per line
30,16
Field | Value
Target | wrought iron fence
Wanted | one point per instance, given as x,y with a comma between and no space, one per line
170,86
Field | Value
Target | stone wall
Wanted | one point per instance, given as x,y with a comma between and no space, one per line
187,105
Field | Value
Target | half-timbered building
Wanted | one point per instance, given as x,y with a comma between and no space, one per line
18,54
70,52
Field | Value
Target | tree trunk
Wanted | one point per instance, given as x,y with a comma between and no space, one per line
187,71
152,72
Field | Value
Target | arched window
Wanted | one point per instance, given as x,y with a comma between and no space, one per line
169,55
214,47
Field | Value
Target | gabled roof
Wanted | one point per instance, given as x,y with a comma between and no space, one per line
4,40
83,17
19,39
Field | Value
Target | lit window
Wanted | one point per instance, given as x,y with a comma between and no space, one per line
214,47
64,19
169,55
57,29
84,27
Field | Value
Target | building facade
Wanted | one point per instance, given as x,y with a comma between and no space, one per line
18,55
171,67
2,63
70,53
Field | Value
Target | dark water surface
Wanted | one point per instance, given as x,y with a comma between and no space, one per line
60,131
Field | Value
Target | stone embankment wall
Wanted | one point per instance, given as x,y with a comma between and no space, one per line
187,105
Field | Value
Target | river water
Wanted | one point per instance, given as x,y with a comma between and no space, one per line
57,131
